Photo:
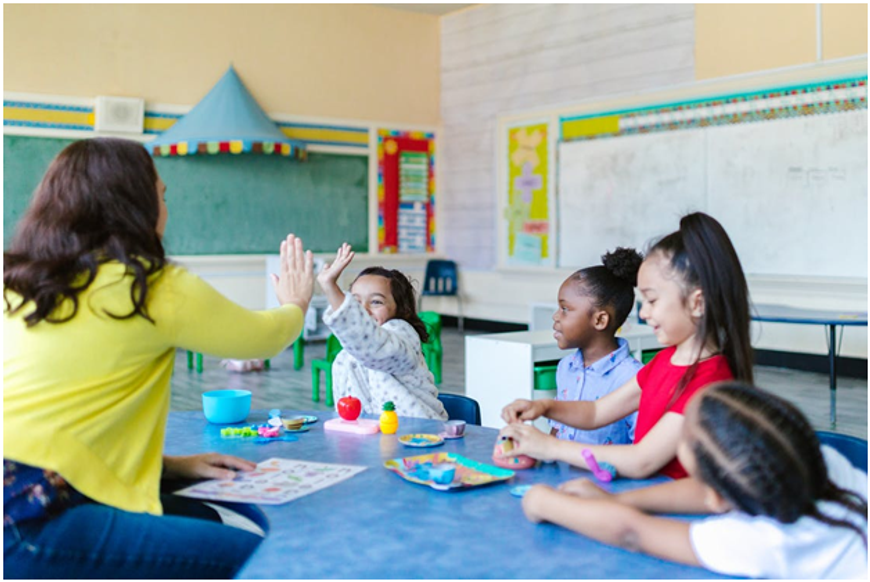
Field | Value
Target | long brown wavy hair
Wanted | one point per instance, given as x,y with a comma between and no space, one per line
96,203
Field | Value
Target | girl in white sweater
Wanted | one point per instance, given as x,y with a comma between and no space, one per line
381,336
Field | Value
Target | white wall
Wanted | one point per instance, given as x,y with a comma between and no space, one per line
503,58
499,60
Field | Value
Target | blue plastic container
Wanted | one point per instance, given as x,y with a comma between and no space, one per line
226,406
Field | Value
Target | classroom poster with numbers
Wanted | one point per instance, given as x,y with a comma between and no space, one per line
406,191
527,213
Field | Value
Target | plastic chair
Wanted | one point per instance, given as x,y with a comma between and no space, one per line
333,347
460,407
853,448
298,353
433,351
442,280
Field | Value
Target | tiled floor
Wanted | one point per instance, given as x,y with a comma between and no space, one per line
284,387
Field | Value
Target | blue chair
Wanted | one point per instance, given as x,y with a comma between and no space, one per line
852,448
442,280
460,407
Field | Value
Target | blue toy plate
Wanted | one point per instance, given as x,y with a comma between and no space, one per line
468,474
520,490
421,440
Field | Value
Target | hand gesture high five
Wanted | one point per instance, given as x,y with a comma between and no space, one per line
295,283
328,276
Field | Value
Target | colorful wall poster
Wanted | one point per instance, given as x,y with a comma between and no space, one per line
528,209
406,191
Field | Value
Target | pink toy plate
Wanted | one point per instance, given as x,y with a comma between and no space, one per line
358,426
421,440
468,474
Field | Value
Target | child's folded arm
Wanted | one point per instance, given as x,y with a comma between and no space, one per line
389,348
681,496
612,523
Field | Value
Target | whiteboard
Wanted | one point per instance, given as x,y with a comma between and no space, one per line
791,193
625,191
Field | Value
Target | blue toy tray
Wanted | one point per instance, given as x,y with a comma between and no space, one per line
468,474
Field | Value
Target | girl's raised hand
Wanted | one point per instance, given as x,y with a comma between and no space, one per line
330,273
295,283
584,488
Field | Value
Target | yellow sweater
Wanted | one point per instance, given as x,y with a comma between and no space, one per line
89,398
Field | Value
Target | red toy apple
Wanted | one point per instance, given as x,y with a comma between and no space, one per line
349,408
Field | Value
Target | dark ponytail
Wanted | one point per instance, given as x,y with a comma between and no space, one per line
762,455
611,284
403,295
703,256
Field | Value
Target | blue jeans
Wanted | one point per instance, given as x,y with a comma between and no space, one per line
98,541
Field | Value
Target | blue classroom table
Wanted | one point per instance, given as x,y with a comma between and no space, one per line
830,319
376,525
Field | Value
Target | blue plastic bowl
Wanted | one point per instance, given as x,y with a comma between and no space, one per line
226,406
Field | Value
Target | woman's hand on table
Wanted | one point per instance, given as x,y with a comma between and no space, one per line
528,440
521,410
295,283
205,466
585,488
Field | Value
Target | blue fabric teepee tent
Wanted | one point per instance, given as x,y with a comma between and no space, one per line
227,120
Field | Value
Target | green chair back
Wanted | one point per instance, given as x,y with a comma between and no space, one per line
433,351
333,347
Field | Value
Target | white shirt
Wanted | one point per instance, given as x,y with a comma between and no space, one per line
762,547
381,363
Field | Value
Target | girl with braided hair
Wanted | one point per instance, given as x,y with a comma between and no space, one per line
788,507
696,300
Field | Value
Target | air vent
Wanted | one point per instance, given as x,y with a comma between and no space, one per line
120,114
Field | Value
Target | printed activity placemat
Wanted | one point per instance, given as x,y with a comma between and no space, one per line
274,481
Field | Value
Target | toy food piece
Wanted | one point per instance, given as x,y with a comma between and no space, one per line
389,419
294,423
504,445
349,408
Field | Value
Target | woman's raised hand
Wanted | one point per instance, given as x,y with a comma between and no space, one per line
295,283
330,273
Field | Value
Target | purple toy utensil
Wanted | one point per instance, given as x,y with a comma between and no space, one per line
600,473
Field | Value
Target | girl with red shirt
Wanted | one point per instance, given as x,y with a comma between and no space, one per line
696,300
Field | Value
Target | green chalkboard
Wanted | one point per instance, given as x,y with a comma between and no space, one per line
227,204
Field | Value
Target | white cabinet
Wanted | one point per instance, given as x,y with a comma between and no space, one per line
499,367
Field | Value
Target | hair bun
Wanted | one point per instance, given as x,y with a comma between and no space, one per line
623,263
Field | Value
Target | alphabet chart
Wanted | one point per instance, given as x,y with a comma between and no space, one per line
273,482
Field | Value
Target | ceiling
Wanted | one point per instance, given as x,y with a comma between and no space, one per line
437,9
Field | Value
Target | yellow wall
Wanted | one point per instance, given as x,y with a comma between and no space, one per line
844,30
740,38
345,61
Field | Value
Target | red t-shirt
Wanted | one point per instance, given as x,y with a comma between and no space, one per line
658,380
